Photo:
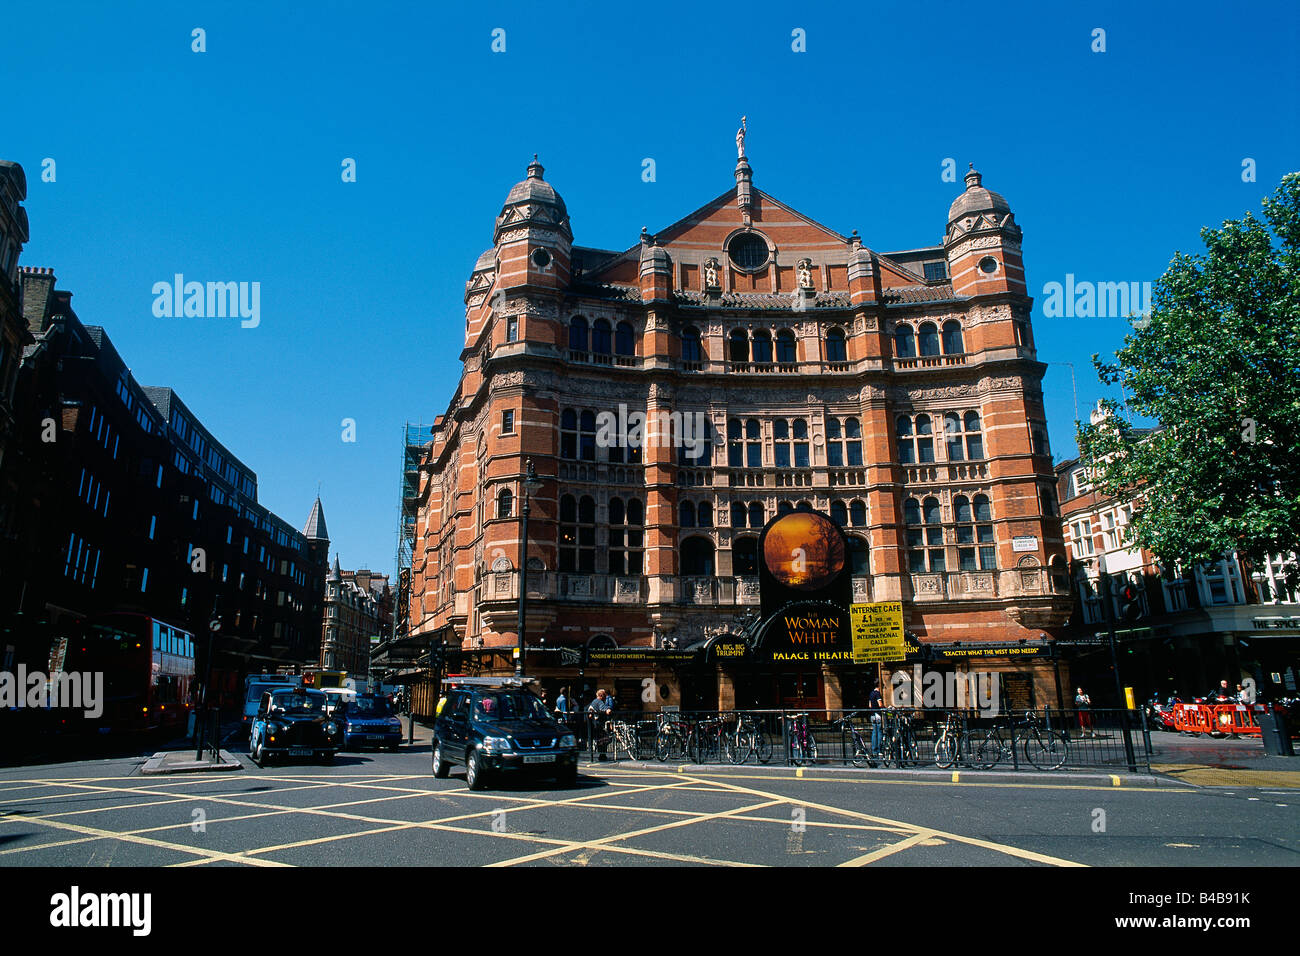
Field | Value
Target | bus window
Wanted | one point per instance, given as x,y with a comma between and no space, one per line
157,636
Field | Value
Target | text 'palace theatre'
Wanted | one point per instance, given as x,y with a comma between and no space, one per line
675,398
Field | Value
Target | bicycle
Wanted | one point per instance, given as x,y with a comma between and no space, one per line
671,738
1045,749
748,740
861,744
622,736
952,745
802,743
901,747
706,742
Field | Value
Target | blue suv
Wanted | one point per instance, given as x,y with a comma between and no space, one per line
369,721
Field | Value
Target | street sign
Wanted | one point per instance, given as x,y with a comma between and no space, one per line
877,632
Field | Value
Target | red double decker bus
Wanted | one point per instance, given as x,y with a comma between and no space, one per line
148,668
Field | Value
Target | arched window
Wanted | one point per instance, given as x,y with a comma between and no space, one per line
587,436
739,342
578,334
836,348
738,514
705,514
952,340
790,443
686,514
974,438
624,339
697,557
786,350
762,347
577,534
843,442
859,557
505,503
975,548
626,537
1039,437
696,448
600,337
928,339
692,349
744,556
804,506
906,440
783,508
858,513
904,342
569,434
924,535
840,513
756,517
952,436
753,444
924,440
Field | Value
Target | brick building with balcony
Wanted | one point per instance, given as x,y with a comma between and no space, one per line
1192,626
899,393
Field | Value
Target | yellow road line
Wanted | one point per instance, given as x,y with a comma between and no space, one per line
890,850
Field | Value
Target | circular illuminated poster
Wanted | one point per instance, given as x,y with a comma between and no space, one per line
804,550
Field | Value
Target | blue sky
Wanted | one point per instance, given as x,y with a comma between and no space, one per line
225,165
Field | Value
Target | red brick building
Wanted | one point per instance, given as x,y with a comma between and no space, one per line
898,393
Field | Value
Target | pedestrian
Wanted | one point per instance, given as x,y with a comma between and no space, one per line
562,705
876,704
1083,705
598,712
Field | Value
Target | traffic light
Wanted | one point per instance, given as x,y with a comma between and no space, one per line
1130,603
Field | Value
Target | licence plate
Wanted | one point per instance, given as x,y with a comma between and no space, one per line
539,758
299,752
374,736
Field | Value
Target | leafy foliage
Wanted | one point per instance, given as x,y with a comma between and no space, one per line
1218,366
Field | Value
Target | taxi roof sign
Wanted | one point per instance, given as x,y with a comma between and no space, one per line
489,681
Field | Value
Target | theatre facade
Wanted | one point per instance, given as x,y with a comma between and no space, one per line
676,397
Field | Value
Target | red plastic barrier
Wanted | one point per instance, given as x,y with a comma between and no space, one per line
1229,718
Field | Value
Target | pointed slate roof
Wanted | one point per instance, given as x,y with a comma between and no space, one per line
315,527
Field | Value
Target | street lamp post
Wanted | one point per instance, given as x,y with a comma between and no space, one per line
200,721
1109,612
530,483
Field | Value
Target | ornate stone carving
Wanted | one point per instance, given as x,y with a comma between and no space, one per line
711,272
803,269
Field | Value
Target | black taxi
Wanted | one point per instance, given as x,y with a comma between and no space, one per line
498,726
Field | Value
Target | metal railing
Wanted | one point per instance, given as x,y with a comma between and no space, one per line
904,737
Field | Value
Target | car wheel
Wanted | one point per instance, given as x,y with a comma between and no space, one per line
440,767
256,755
474,773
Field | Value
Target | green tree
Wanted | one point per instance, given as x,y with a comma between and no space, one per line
1217,365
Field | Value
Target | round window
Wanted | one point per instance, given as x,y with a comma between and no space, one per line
989,265
748,251
541,258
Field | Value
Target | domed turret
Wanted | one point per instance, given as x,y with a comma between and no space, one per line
533,240
982,242
977,200
533,199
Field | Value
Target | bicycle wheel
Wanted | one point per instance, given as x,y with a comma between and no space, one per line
988,752
945,752
1046,751
663,745
861,753
735,748
763,747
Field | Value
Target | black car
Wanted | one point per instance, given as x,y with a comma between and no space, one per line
293,722
501,727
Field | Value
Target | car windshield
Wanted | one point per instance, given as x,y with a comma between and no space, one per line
256,690
508,705
298,702
370,707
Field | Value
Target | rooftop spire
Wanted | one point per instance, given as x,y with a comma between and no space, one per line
973,178
744,175
314,530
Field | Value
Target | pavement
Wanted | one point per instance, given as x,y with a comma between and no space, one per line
386,808
1222,762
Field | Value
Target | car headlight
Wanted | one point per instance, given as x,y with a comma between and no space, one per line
331,728
394,723
569,740
494,745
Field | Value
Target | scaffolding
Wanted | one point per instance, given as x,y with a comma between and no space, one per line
415,439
